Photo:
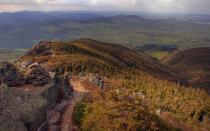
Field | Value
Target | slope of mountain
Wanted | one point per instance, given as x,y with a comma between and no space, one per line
23,29
90,56
137,93
193,64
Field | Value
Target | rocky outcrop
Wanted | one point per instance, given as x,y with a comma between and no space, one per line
32,73
25,64
27,106
36,75
96,80
43,48
10,75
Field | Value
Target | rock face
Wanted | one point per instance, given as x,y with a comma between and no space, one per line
10,75
11,125
43,48
20,110
62,80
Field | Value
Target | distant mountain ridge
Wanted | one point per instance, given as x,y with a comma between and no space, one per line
39,16
24,29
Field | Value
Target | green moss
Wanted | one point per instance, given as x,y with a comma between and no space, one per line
79,113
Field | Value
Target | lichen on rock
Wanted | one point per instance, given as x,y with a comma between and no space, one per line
20,107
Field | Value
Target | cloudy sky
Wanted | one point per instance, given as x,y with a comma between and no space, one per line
169,6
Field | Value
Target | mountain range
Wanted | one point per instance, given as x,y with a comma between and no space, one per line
23,29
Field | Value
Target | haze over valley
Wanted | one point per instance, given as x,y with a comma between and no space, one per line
24,29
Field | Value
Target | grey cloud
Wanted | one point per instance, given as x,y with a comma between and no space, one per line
15,1
186,6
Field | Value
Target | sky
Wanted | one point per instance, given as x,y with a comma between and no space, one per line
166,6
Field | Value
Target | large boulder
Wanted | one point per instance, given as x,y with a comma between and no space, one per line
27,106
10,75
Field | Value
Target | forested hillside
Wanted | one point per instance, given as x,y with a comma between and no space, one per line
139,93
193,64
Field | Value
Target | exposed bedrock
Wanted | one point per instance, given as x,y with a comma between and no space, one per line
27,97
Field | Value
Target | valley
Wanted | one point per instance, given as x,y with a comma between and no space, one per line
11,54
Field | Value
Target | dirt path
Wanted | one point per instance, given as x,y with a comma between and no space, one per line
79,92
